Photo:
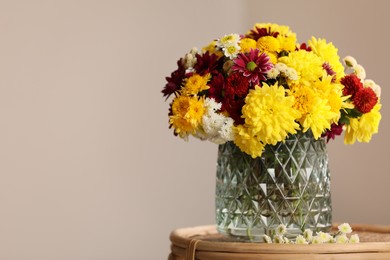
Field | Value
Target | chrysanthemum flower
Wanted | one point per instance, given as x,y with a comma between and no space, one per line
368,83
247,44
268,43
328,53
362,129
195,84
247,141
352,85
333,131
237,85
341,239
354,239
281,229
175,80
360,72
207,63
307,64
287,43
252,65
365,99
212,49
350,61
344,228
269,113
300,240
186,115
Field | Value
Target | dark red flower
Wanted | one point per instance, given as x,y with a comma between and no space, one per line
365,99
207,63
252,65
217,86
258,32
237,85
175,80
326,66
233,107
333,131
352,85
304,46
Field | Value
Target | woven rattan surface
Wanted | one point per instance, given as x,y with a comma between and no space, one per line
204,242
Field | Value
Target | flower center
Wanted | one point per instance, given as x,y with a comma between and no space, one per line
251,66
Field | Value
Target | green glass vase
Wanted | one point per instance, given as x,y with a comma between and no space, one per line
289,184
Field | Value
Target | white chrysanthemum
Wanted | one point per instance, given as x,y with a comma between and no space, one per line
368,83
287,241
231,51
211,105
345,228
316,240
281,230
267,239
300,240
325,237
226,131
292,74
278,239
308,234
229,39
342,239
273,73
281,67
360,72
354,239
350,61
212,123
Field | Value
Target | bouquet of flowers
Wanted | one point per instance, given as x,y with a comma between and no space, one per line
260,87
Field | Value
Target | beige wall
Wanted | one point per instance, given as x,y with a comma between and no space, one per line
88,166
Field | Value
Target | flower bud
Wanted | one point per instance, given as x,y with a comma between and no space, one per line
350,61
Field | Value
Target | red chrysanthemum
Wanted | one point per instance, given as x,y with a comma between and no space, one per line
365,99
237,85
233,107
207,63
175,80
333,131
217,86
252,65
352,85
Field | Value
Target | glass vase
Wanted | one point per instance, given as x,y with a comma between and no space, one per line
289,184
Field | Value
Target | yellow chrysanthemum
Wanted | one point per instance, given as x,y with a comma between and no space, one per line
304,98
319,118
329,54
287,43
362,129
247,44
307,65
186,115
212,49
195,84
248,142
268,43
269,113
273,57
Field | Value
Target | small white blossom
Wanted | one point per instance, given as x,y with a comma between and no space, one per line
291,74
308,234
267,239
360,72
190,60
273,73
211,105
350,61
300,240
325,237
231,51
281,67
212,123
281,230
354,239
342,239
316,240
226,131
345,228
278,239
229,39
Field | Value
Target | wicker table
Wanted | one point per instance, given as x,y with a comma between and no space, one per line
204,242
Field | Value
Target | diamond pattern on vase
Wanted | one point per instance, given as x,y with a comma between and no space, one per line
289,184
